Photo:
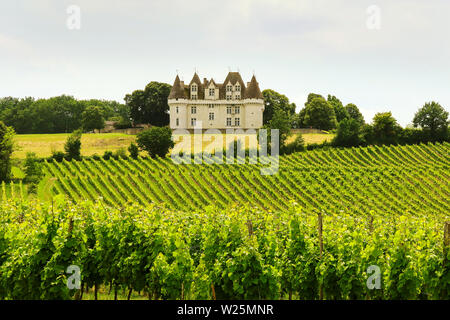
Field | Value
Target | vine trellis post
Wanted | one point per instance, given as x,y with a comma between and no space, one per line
446,238
320,229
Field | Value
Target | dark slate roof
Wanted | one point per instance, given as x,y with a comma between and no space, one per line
232,77
209,82
200,88
253,91
178,90
182,91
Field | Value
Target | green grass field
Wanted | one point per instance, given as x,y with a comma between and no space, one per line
312,137
91,143
98,143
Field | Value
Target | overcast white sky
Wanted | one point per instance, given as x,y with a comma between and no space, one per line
294,47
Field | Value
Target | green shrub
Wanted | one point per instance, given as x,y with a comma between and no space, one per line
122,123
107,155
295,146
73,145
156,141
33,168
348,134
133,149
32,187
6,149
120,153
58,156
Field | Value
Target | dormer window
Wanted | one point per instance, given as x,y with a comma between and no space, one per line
229,88
238,97
211,92
238,87
194,88
194,97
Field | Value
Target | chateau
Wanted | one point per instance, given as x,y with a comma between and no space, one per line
211,105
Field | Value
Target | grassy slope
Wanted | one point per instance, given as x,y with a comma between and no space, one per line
355,179
43,144
312,137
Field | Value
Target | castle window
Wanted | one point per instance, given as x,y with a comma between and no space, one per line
194,97
194,88
178,122
238,87
228,97
176,109
228,122
193,121
237,122
193,109
237,109
211,92
238,97
229,88
211,116
211,106
228,110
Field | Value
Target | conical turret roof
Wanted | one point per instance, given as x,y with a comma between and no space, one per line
253,91
177,91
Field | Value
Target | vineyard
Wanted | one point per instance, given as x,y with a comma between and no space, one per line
315,230
387,180
240,253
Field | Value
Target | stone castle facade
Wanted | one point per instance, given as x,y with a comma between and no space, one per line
210,105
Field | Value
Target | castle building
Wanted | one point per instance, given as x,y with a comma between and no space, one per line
227,105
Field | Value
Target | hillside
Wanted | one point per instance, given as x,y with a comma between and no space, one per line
394,179
98,143
316,230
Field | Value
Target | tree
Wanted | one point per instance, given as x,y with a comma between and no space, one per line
281,121
339,110
54,115
320,114
150,105
156,141
354,113
33,168
73,145
367,135
276,101
6,149
300,121
311,97
386,130
295,146
92,118
296,122
133,149
433,119
411,136
347,135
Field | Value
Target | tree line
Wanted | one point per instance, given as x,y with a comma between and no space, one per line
430,122
60,114
149,106
64,114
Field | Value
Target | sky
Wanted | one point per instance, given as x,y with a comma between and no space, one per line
381,55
